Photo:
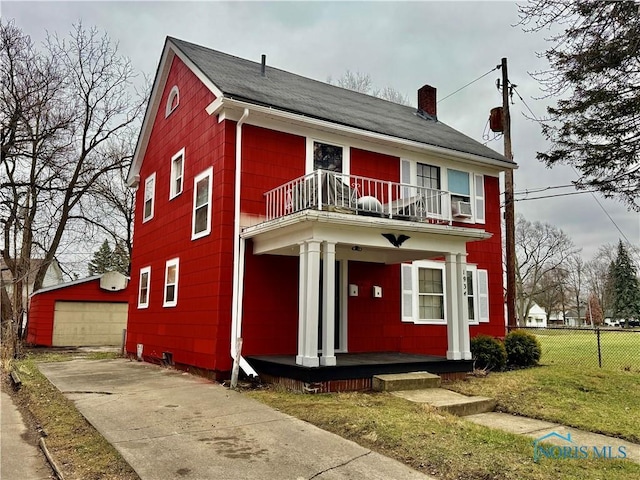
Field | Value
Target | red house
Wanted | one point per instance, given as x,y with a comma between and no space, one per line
337,234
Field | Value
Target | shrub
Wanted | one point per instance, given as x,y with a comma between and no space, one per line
523,349
489,353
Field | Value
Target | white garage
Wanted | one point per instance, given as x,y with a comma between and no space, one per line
88,323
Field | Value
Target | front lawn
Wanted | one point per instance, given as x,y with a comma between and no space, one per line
433,442
593,399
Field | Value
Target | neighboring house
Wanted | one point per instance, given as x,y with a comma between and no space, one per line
537,317
568,319
87,312
316,223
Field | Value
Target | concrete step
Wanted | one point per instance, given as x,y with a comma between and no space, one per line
452,402
405,381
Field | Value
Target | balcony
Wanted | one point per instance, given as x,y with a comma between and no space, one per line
323,190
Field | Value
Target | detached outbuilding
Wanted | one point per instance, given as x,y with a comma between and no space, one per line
87,312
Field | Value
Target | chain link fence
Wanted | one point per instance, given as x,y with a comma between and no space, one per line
604,347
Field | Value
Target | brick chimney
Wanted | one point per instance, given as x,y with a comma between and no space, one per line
427,100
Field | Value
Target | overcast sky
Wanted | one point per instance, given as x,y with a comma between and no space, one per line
403,45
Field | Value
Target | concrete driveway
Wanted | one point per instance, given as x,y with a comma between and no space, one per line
172,425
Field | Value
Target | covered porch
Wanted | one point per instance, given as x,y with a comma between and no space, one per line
325,241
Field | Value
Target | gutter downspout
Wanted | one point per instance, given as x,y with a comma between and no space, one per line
238,258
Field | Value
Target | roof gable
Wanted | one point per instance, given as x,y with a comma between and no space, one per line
240,79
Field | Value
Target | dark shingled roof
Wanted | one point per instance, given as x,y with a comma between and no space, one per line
241,79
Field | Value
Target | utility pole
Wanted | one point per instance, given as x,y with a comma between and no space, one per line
509,213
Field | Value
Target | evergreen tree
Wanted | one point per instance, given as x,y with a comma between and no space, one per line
626,287
595,71
102,260
121,259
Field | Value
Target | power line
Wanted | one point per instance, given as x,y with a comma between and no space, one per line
577,175
553,196
497,67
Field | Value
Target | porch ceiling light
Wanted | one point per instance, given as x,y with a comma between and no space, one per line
356,248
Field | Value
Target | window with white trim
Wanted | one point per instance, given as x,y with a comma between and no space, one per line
423,292
477,295
144,287
201,222
177,174
149,197
173,100
327,156
171,283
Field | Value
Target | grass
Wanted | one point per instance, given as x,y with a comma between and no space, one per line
600,401
79,450
620,349
433,442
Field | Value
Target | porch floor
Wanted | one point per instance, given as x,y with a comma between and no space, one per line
351,366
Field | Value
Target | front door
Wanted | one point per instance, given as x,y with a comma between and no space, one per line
338,308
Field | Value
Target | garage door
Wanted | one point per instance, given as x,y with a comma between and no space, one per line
88,323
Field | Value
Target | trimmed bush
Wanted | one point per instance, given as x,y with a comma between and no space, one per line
523,349
489,353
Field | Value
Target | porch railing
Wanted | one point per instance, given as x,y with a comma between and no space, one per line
337,192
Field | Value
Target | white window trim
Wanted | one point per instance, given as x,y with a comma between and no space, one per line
414,318
207,173
173,93
346,155
472,270
175,176
149,179
144,270
480,198
174,262
482,276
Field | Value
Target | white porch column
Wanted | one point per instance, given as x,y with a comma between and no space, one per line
328,356
310,355
302,303
463,307
452,288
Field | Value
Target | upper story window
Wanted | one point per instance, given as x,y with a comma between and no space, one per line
428,176
173,100
459,185
143,290
171,283
149,197
177,174
327,156
202,204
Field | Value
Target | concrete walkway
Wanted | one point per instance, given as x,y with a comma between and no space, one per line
19,459
168,424
538,428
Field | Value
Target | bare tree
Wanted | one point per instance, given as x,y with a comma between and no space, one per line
540,249
362,83
551,291
575,280
67,107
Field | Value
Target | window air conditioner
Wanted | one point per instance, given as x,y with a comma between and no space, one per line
461,209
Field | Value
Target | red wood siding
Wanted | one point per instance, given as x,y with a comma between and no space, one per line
42,306
375,165
269,159
191,330
270,320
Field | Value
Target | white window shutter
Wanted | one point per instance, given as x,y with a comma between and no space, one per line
483,295
407,292
405,177
480,198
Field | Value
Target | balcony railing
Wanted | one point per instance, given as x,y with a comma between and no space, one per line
337,192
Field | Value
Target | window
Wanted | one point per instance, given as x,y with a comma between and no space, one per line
326,156
173,100
459,185
477,295
149,194
202,204
430,294
423,292
171,283
143,291
177,174
428,176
